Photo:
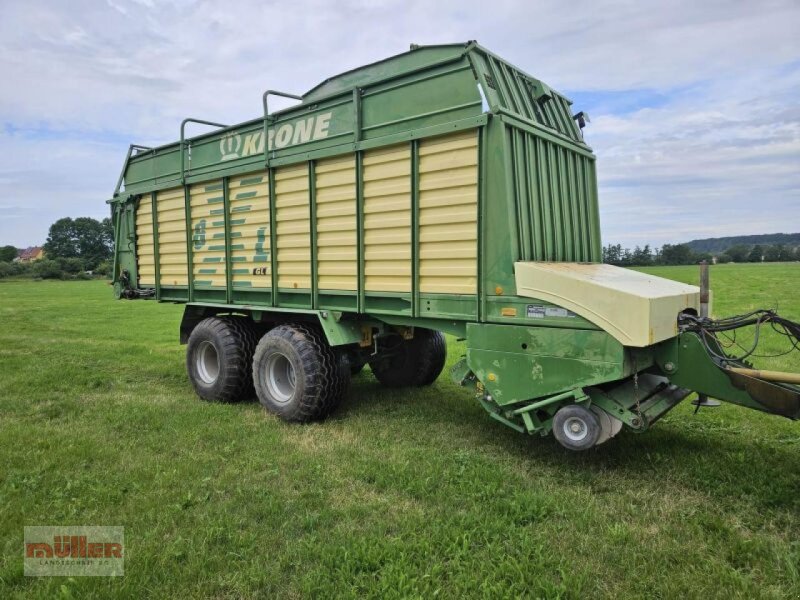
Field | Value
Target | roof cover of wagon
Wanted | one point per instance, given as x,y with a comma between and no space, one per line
394,99
507,89
419,57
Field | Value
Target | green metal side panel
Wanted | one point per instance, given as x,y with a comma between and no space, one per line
426,97
509,90
124,223
554,200
518,363
540,202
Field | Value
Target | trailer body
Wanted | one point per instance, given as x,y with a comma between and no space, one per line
440,189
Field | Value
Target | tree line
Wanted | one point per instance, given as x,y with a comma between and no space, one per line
682,254
75,249
721,244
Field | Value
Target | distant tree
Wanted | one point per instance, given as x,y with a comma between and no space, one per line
62,239
47,269
703,256
721,244
778,253
626,259
677,254
682,254
738,253
108,235
756,254
612,254
84,238
642,256
773,253
8,253
21,268
72,266
104,269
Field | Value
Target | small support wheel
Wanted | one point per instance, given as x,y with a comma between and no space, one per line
609,426
576,428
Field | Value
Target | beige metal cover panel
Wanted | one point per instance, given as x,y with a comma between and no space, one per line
171,218
387,219
144,241
208,234
337,226
293,227
448,213
635,308
251,266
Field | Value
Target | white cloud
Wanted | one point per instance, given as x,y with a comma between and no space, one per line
87,78
721,160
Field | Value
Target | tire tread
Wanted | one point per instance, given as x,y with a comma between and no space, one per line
326,381
236,338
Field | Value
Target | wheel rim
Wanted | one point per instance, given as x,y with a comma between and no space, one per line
575,429
207,362
281,381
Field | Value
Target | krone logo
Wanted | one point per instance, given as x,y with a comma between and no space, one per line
230,145
281,135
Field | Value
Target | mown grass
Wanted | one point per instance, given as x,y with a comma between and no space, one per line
400,493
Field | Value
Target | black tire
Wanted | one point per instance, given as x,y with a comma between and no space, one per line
356,369
576,428
432,355
219,358
297,375
415,362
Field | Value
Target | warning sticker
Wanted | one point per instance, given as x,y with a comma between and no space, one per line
535,311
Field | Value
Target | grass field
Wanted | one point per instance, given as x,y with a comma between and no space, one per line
399,494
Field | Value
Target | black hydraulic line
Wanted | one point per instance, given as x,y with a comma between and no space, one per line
708,328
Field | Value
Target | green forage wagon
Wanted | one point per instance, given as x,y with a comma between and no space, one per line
439,190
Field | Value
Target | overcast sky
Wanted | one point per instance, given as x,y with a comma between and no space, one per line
695,107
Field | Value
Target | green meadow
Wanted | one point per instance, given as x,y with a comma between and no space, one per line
401,493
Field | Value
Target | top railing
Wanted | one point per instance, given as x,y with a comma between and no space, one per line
184,123
131,149
268,118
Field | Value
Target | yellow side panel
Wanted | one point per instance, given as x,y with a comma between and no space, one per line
172,262
292,223
144,242
448,214
337,237
387,219
249,219
208,234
